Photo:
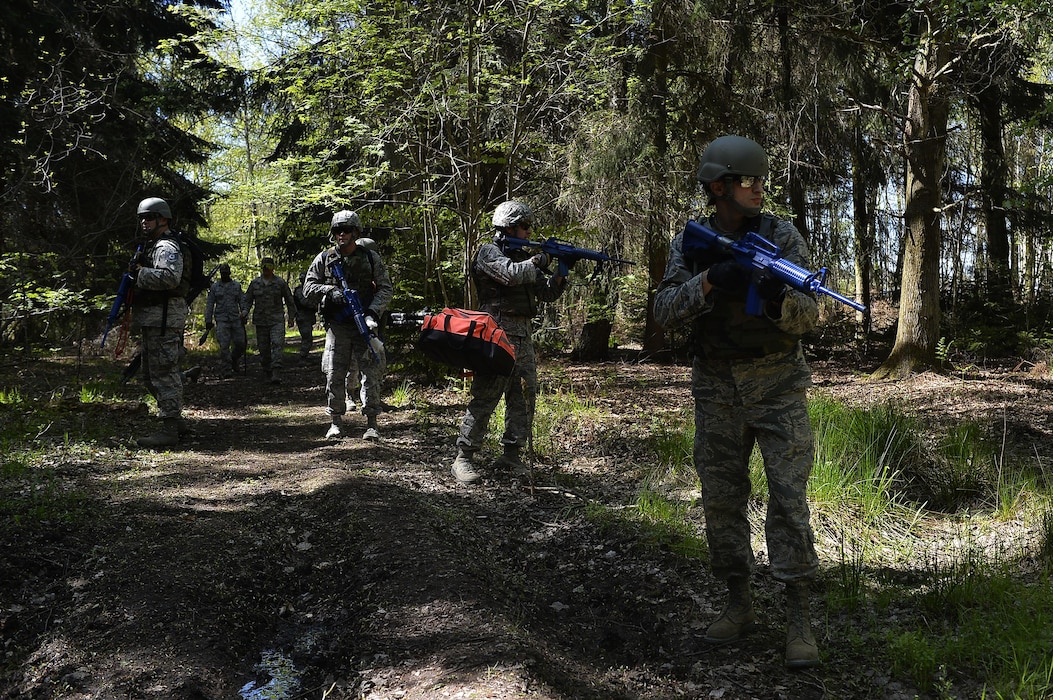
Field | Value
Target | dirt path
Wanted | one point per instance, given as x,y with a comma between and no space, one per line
263,554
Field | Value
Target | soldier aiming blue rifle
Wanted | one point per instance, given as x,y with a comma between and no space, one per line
510,282
749,378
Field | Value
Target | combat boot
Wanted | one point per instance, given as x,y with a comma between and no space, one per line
336,430
511,459
165,436
738,618
801,649
463,469
371,429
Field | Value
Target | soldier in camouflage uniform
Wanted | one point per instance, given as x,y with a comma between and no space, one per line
159,310
509,283
223,311
268,293
306,317
749,379
364,271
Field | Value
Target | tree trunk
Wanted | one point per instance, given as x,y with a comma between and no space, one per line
992,193
656,244
594,341
863,191
925,142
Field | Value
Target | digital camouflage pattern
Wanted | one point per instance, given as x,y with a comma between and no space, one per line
365,272
744,397
267,297
509,289
223,309
306,317
161,318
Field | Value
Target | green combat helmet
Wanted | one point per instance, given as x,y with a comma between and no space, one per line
732,155
155,205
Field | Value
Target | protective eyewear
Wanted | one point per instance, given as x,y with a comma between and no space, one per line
344,229
747,181
148,217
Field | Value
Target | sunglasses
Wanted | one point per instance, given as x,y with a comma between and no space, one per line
747,181
344,229
149,217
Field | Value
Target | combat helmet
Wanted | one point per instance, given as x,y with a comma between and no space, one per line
513,213
732,155
345,219
155,205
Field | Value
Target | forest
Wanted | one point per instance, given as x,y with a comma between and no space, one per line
908,142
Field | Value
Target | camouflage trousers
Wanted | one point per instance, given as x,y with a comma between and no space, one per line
519,392
270,341
724,438
160,368
306,329
345,348
230,337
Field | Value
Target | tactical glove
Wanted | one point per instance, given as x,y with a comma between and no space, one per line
730,277
769,288
541,260
335,296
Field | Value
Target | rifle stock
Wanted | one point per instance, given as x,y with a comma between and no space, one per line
756,253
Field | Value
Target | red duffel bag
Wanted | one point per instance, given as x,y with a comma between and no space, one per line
467,340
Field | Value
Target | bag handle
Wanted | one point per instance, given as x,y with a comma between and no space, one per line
469,334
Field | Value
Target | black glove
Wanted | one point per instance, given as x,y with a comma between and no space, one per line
730,277
541,260
769,288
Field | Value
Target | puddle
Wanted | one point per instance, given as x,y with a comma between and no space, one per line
283,679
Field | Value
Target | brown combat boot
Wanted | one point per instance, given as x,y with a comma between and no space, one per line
801,649
165,436
738,618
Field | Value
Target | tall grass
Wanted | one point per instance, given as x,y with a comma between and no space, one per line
860,456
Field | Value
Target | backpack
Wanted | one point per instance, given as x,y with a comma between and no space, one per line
467,339
194,279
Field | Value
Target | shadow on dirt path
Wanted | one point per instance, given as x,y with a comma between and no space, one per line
370,571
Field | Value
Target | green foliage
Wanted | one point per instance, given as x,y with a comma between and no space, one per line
666,525
984,619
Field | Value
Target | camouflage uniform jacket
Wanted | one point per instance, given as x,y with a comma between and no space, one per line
306,310
268,295
224,302
154,302
510,286
364,271
725,339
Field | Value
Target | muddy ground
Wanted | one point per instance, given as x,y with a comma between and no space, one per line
260,560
